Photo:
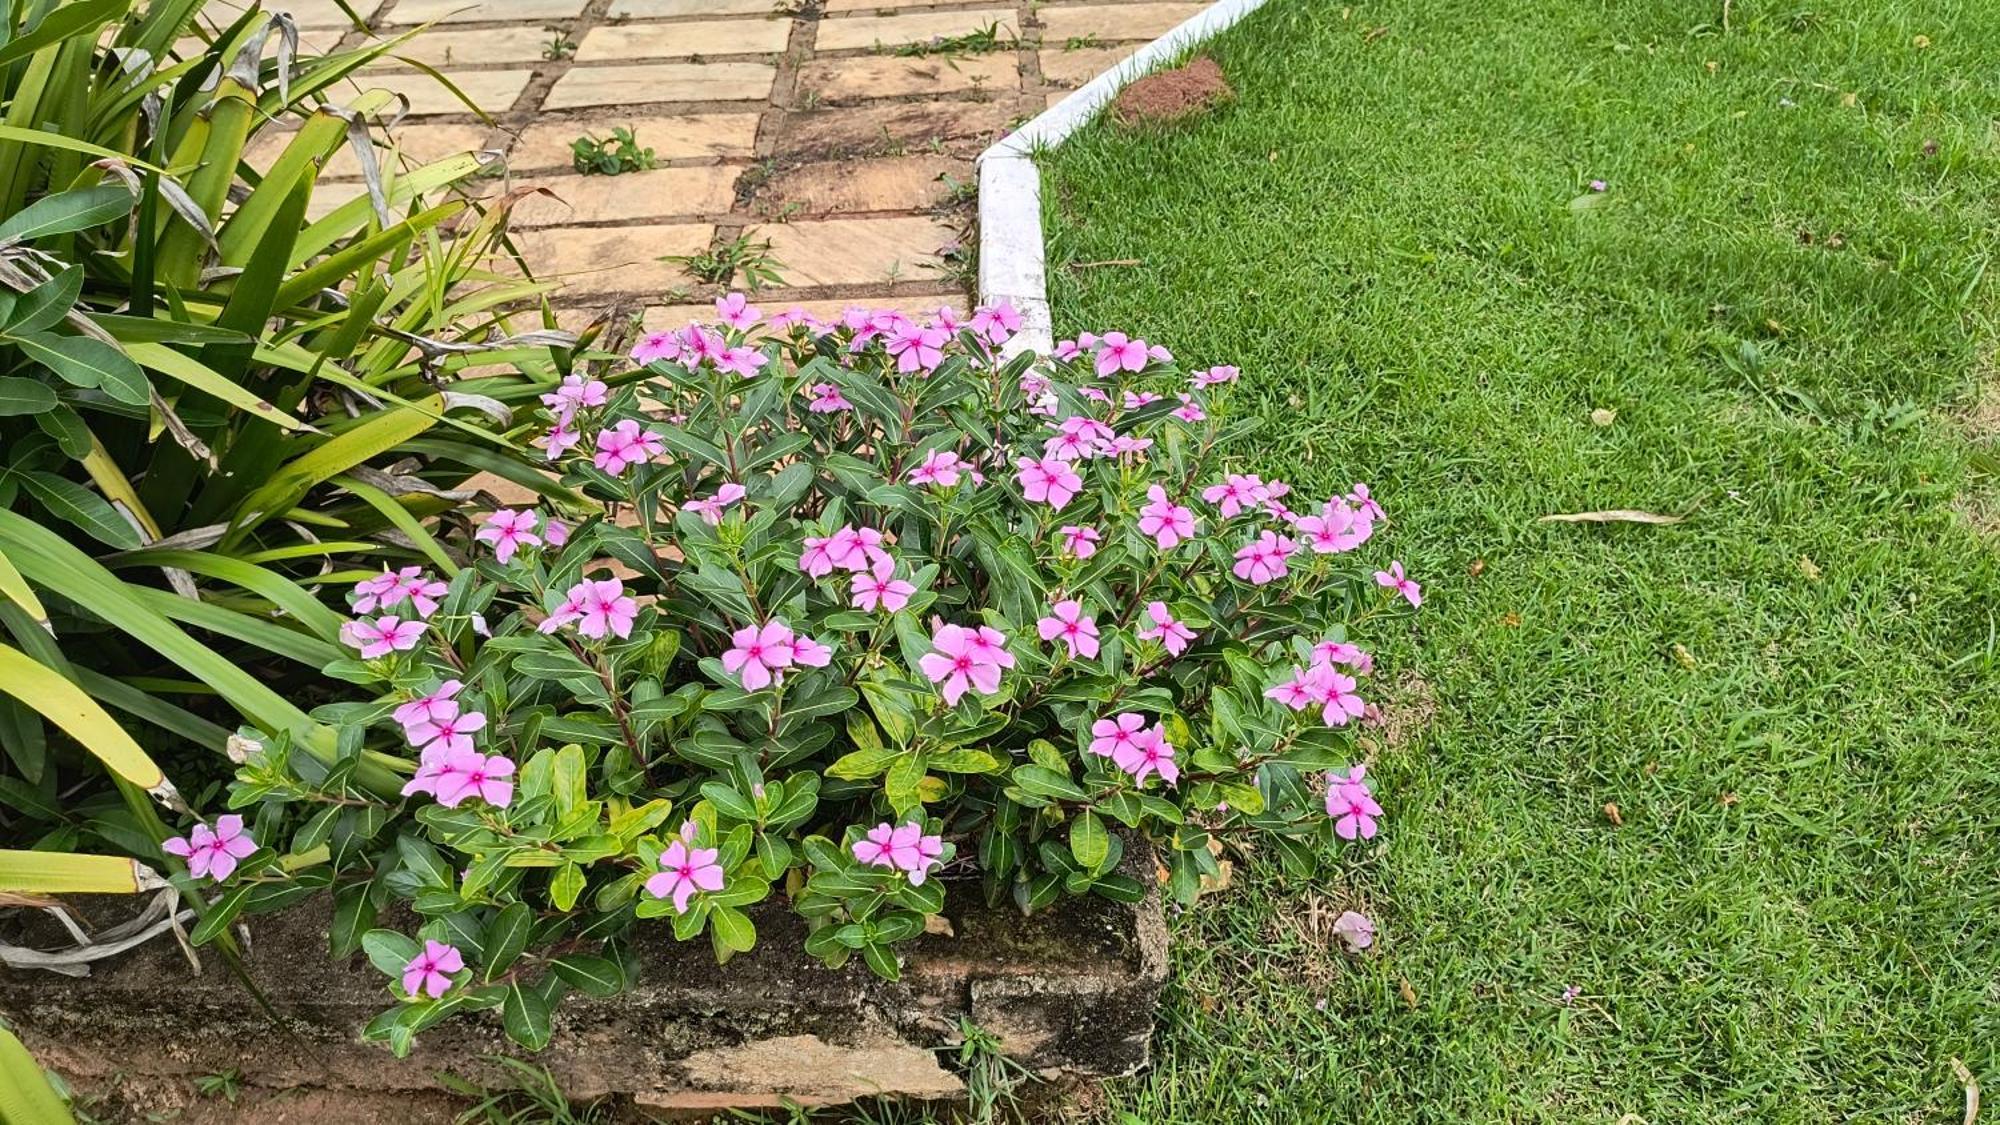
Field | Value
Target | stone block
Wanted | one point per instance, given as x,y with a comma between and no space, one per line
662,82
889,76
614,42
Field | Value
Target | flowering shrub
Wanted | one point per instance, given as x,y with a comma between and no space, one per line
873,605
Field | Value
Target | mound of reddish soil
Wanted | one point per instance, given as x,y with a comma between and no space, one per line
1173,95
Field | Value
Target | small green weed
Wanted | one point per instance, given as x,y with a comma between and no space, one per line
613,156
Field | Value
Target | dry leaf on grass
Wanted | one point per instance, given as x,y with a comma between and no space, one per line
1971,1085
1615,515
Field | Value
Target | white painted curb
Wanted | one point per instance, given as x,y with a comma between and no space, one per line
1013,263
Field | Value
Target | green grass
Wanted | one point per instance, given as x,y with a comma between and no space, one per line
1380,232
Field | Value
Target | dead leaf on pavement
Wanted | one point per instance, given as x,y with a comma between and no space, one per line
1615,515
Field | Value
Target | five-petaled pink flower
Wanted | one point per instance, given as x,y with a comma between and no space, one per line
1077,629
626,444
1236,493
391,588
1336,528
996,322
1351,805
1394,579
430,972
436,704
509,531
1108,736
1214,376
382,635
940,467
1167,522
1115,351
759,652
966,658
881,589
1147,751
827,399
472,774
1263,560
1362,500
604,608
1164,629
710,510
213,853
656,345
453,733
685,869
903,847
917,347
736,311
1047,481
1080,542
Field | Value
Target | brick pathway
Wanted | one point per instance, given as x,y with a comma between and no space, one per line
815,128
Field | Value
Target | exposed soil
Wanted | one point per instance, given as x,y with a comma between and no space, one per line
1173,95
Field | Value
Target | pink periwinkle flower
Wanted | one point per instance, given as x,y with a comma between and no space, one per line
743,362
1138,400
827,399
685,869
1147,751
1079,438
904,848
940,467
736,311
1340,652
1214,376
559,440
1351,805
212,853
1080,542
809,653
555,532
1236,493
576,393
1356,930
1365,502
624,445
1076,628
472,774
1394,579
387,590
710,510
996,322
758,652
452,732
1164,629
1116,352
1108,736
438,703
1189,410
966,658
604,608
1167,522
1263,560
430,972
656,345
508,531
1047,481
1335,529
382,635
879,588
917,347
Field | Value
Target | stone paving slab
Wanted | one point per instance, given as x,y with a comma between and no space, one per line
842,135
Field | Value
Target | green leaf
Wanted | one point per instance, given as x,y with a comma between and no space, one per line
525,1015
860,765
592,975
84,362
75,210
1044,782
25,396
73,503
1088,841
424,862
389,950
731,930
46,304
964,761
566,887
902,784
729,802
186,369
506,937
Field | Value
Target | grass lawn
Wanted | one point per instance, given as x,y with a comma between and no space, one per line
1787,296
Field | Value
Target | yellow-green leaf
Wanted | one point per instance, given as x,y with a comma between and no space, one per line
65,705
66,873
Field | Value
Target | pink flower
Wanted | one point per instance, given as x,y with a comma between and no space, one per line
1354,929
817,559
881,589
1214,376
710,510
1394,578
683,871
1109,736
1263,561
438,704
1296,693
432,765
1146,752
555,532
1340,652
1080,542
559,440
940,467
472,774
213,853
914,853
452,732
1236,493
855,549
874,849
387,590
1047,481
1337,528
604,608
1126,443
1167,522
1335,692
1079,438
966,658
917,348
656,345
810,653
430,972
1138,400
736,311
1365,503
827,399
509,531
1077,629
996,322
382,635
1189,410
575,393
624,445
758,652
1116,351
1351,805
1164,629
743,362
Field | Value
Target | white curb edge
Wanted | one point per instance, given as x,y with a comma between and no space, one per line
1013,262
